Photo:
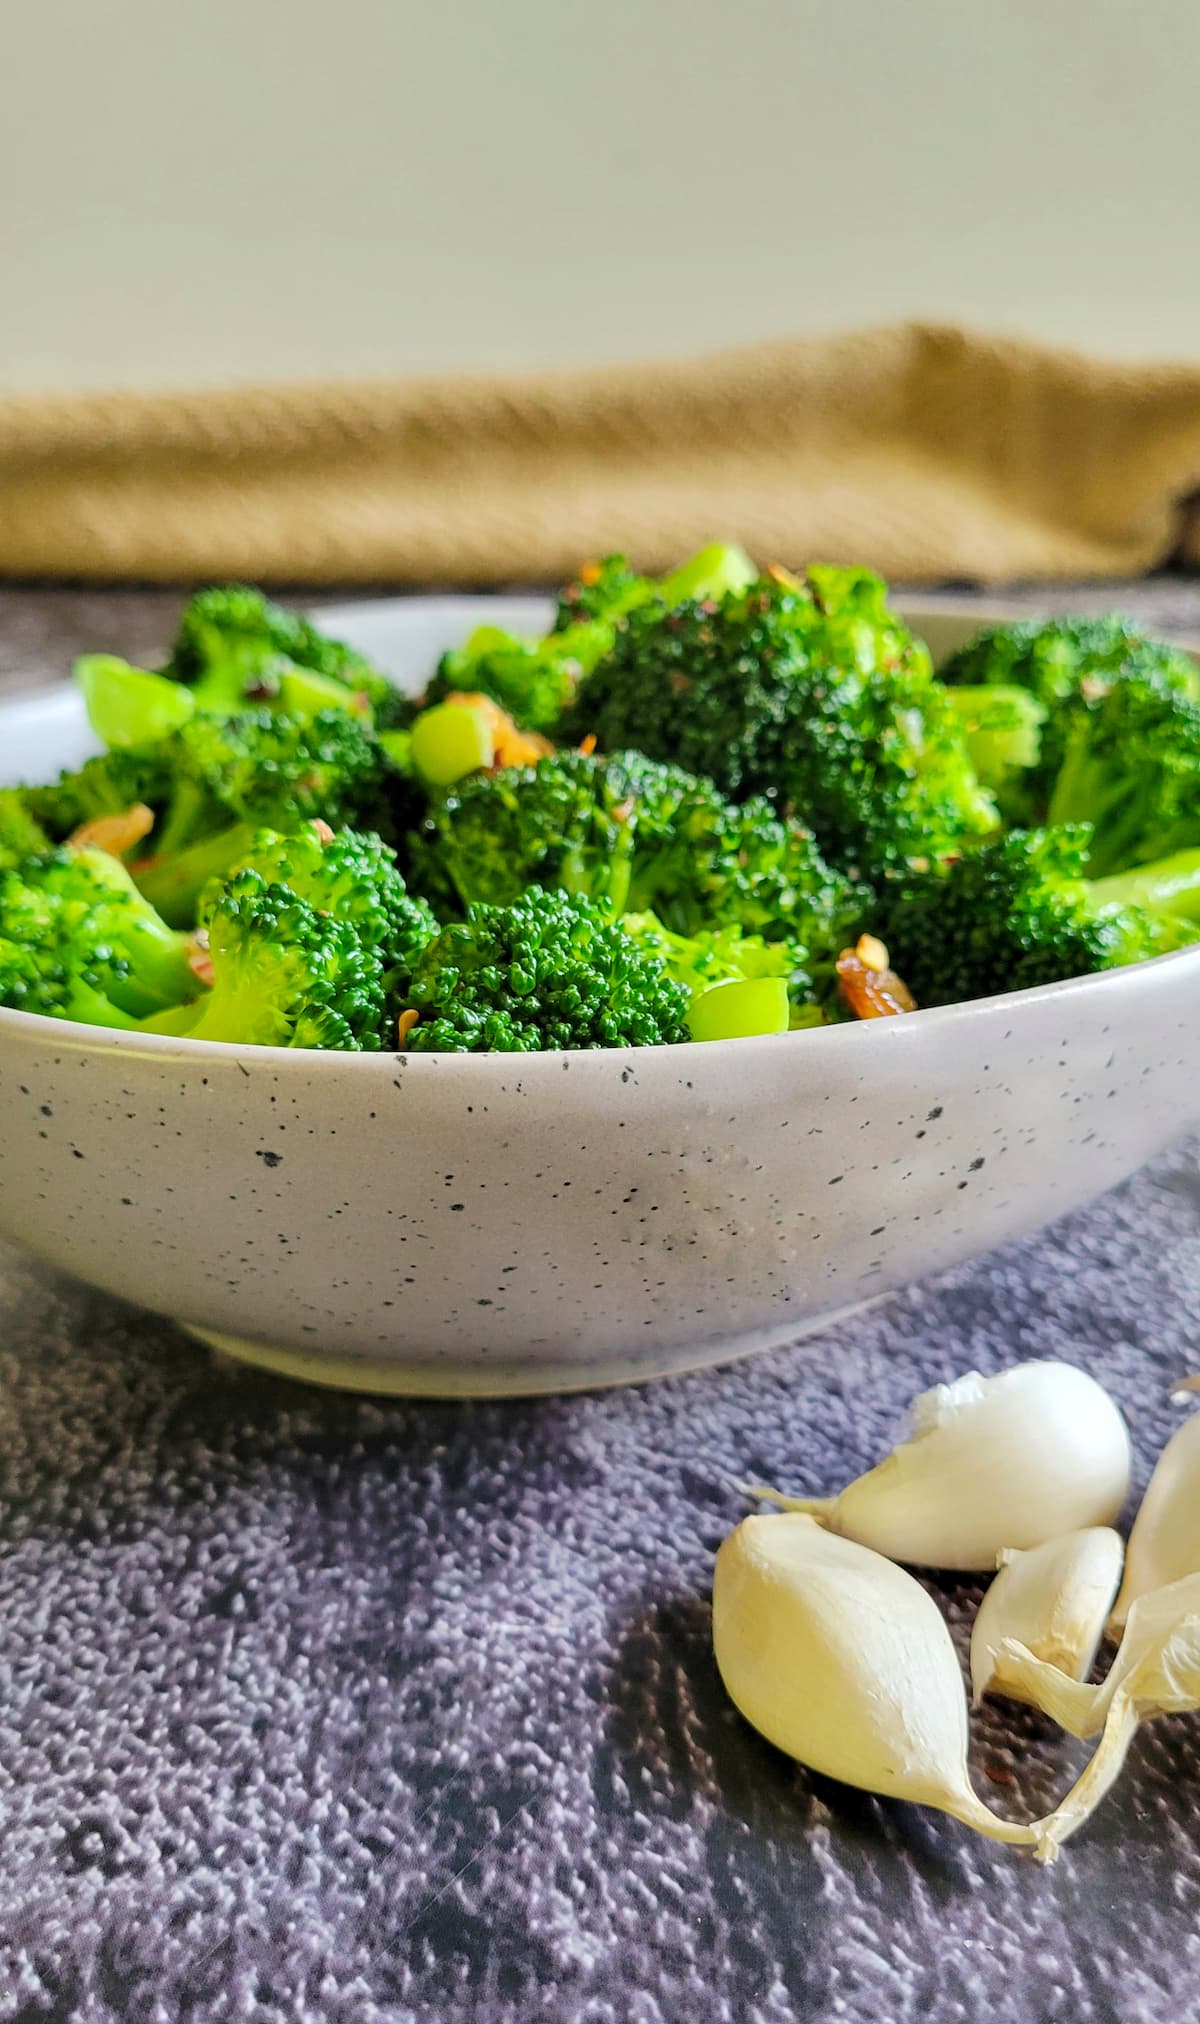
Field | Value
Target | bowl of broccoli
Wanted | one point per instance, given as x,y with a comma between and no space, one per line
471,996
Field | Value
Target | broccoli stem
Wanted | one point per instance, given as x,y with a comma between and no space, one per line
1172,886
174,882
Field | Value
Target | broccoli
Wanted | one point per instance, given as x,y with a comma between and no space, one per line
1019,911
549,971
536,679
216,780
715,957
43,978
21,834
1002,725
1065,663
80,915
352,876
235,647
608,589
813,694
634,834
285,975
1131,768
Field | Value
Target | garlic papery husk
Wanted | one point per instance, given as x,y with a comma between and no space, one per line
991,1462
1157,1666
1164,1544
840,1658
1054,1599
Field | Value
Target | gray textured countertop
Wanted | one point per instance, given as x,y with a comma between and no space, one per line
322,1708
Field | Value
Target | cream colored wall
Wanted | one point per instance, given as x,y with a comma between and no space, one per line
200,192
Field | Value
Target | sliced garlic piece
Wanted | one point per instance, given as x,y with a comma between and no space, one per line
1165,1542
1054,1599
840,1658
992,1462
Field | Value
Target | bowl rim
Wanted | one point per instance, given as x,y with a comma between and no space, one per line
38,1026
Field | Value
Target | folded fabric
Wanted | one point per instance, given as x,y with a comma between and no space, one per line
930,452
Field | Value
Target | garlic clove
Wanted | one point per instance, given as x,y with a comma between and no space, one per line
1053,1599
841,1659
992,1462
1164,1544
1157,1666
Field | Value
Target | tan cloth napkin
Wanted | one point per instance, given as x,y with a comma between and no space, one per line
928,452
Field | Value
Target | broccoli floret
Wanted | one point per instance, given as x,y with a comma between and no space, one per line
1131,768
610,588
726,956
536,679
1002,725
550,971
105,785
217,779
21,834
285,975
1018,911
47,979
79,912
813,694
1064,663
351,875
234,647
632,833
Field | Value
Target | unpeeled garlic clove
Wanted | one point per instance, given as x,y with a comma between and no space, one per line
1053,1599
1164,1544
992,1462
1156,1672
1157,1666
840,1658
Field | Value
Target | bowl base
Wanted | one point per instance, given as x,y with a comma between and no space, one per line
422,1380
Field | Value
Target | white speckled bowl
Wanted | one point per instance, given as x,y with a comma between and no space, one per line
490,1224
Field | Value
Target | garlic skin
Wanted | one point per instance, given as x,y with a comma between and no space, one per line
840,1658
1164,1544
1052,1599
991,1462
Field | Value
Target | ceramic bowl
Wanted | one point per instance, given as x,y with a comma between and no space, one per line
502,1224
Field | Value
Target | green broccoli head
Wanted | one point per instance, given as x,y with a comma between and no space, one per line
80,914
533,679
1016,912
718,956
353,876
55,981
105,785
550,971
21,834
1065,664
228,776
1052,657
813,694
234,648
285,975
633,833
1131,768
536,680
